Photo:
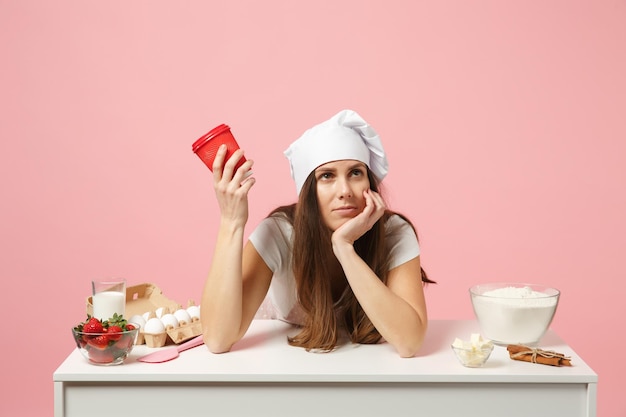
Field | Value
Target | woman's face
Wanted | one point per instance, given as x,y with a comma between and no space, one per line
340,186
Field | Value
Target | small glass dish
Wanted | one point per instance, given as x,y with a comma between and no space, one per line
473,357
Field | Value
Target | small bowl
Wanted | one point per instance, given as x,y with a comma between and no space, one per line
105,348
514,313
473,357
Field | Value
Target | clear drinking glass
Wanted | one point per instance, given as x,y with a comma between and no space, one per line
108,297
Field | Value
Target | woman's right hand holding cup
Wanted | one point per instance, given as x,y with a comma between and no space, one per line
232,187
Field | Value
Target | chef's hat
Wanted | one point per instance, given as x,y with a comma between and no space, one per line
344,136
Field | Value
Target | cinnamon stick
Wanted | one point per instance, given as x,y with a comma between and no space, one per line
535,355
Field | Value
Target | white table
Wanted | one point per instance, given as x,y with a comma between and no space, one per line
264,376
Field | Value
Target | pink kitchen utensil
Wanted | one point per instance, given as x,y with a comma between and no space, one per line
171,353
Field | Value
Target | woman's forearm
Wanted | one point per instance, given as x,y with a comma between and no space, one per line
221,306
398,322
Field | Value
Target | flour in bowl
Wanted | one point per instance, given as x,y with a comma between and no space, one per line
520,296
514,315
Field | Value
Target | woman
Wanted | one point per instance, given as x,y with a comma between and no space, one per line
336,261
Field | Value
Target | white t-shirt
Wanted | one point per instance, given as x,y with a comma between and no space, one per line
272,240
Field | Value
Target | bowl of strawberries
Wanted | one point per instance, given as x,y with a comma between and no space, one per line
105,342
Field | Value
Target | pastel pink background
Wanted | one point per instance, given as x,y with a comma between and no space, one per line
503,122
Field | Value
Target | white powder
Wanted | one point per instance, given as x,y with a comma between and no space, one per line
514,315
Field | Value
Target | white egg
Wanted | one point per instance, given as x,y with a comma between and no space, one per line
154,326
182,316
169,321
137,319
146,316
194,312
159,312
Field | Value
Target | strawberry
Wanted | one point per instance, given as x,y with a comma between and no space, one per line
130,326
125,342
114,332
93,325
100,356
99,342
116,320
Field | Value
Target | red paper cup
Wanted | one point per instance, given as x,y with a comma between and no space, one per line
206,147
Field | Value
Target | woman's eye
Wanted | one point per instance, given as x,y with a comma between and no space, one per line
325,175
357,172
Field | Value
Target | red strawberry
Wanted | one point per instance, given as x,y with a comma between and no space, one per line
99,342
93,325
100,356
114,333
125,342
130,326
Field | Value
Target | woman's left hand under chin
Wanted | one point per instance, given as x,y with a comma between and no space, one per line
356,227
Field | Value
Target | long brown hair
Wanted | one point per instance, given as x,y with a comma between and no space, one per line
315,269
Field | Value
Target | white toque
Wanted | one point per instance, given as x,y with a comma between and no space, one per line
344,136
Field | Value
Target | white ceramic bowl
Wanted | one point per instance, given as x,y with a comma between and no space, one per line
511,313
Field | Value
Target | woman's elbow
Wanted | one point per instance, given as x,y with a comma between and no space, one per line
217,347
215,344
409,347
409,350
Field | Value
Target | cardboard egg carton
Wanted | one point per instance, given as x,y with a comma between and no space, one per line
184,331
148,298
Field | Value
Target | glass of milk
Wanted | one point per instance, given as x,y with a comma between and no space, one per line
108,297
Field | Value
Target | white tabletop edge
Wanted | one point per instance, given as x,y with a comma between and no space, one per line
264,356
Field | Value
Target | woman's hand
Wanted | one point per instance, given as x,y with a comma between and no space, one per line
356,227
232,187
